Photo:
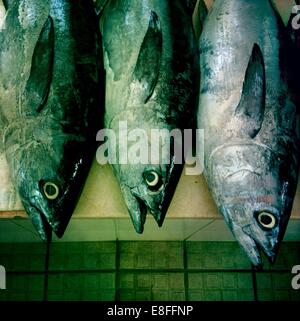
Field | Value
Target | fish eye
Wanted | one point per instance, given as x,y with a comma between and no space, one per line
153,180
51,191
267,220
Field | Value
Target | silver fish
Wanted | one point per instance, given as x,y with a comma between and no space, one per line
50,104
248,111
150,57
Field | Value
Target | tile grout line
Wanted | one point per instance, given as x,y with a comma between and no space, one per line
200,229
144,270
185,273
46,275
117,271
254,283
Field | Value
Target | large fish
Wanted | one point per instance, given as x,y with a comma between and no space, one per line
248,110
150,57
49,104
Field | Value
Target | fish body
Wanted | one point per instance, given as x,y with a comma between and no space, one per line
150,58
248,111
50,66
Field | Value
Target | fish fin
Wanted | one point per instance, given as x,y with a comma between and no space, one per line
251,107
147,67
38,84
199,16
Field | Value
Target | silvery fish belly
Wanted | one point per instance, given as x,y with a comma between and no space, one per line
49,100
150,57
248,111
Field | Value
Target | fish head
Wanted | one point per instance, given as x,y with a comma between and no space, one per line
148,188
48,170
254,188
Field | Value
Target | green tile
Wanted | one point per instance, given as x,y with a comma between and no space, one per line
127,281
246,295
195,281
108,295
3,295
245,280
195,261
81,256
212,280
25,257
177,296
282,295
264,280
71,296
216,255
143,281
81,286
276,286
160,281
229,295
167,255
104,295
295,295
196,295
107,280
73,282
288,256
160,295
143,295
212,295
127,260
230,281
265,295
24,287
91,282
127,295
220,286
56,283
151,286
151,255
176,281
282,280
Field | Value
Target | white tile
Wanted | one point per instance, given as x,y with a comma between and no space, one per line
216,231
17,231
79,230
293,231
172,229
89,230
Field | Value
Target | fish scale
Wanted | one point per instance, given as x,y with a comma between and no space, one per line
247,108
150,57
50,104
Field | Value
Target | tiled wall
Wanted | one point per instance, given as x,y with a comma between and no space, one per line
144,271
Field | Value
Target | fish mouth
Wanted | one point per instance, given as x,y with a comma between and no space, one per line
138,215
137,208
253,248
40,223
158,212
